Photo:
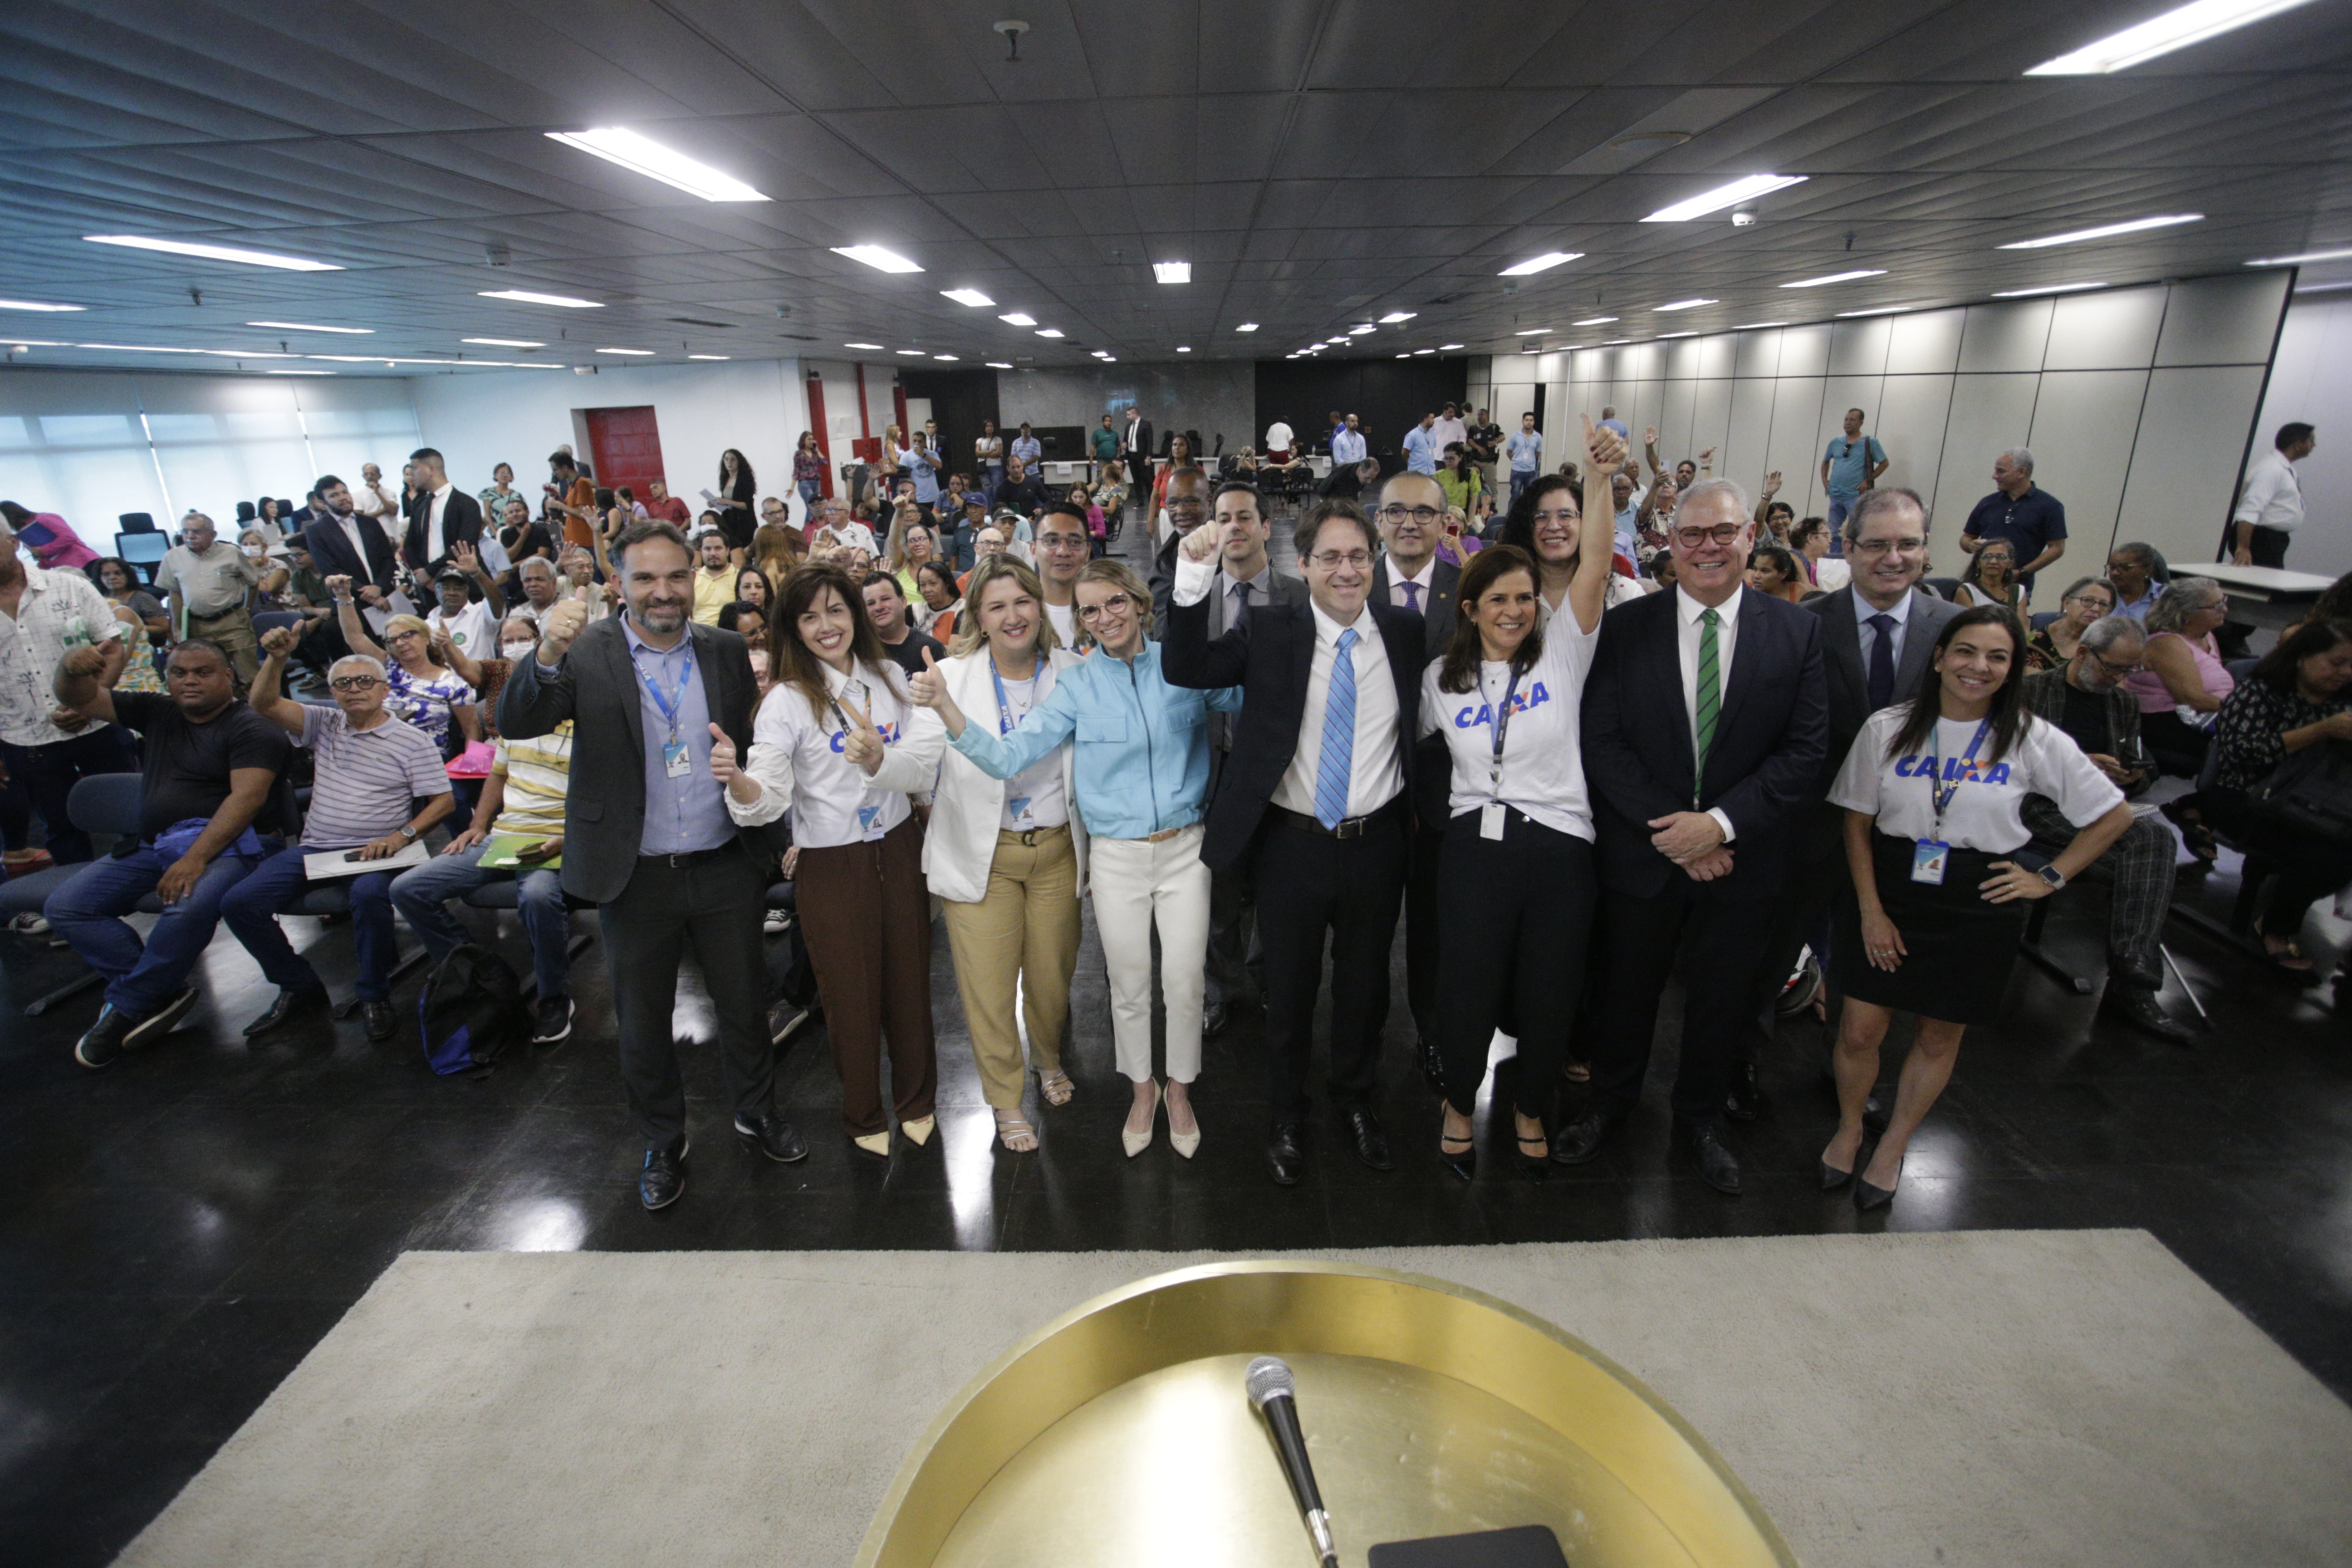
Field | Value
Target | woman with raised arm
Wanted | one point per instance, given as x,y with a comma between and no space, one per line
423,692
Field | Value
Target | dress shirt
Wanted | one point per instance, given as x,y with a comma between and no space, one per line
1278,436
1628,536
58,610
1527,451
350,523
1346,447
2138,609
1424,582
2272,497
683,816
1421,449
1726,639
1447,430
436,505
1232,589
1131,438
209,584
1029,449
373,500
1862,611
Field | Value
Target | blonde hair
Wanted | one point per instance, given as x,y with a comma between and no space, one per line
399,624
1121,576
969,637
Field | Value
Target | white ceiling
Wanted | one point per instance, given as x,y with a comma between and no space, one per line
1319,162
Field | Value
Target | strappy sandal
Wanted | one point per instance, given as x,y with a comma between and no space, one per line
2195,831
1056,1087
1017,1136
2288,958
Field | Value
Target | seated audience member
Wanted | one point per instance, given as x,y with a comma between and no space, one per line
885,607
942,598
2185,681
755,588
714,577
988,542
1811,540
2132,571
664,507
2088,600
776,553
210,767
522,799
2085,697
44,613
518,635
1991,579
1772,569
2299,695
437,699
1457,478
1778,518
1022,493
745,620
2335,604
911,543
541,587
268,592
372,770
967,529
469,624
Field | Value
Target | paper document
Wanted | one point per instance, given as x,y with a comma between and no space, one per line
503,852
328,864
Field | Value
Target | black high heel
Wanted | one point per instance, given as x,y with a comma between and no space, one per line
1535,1167
1463,1162
1834,1179
1867,1197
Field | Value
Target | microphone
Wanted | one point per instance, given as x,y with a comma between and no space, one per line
1275,1394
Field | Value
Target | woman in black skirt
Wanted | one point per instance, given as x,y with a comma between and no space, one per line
1933,791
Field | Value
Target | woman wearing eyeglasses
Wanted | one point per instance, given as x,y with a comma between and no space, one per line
1139,783
1547,522
2052,647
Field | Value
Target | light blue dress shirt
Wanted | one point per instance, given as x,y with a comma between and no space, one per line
926,476
1029,450
1527,450
1346,447
1420,451
688,814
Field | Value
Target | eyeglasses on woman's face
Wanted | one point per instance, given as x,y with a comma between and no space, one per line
1110,604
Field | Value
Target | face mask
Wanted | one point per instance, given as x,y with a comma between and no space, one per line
256,552
518,651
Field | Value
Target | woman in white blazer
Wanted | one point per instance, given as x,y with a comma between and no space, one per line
1007,857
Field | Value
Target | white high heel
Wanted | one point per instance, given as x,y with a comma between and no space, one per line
1136,1143
1185,1144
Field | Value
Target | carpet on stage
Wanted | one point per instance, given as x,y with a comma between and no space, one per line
1987,1397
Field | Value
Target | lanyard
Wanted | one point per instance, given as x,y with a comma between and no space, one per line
672,705
1004,719
1501,726
1938,790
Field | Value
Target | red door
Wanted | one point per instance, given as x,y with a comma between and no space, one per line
626,445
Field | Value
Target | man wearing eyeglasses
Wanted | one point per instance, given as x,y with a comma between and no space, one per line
1312,802
1705,719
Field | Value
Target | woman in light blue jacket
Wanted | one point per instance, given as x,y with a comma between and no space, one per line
1142,782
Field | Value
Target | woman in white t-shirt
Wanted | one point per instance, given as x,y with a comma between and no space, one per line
837,744
1934,791
1515,880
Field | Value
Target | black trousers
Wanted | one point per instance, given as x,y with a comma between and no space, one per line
1424,917
2268,546
2306,868
1818,874
1517,917
1311,888
712,905
1715,945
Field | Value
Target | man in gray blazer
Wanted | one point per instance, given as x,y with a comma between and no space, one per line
1877,638
648,838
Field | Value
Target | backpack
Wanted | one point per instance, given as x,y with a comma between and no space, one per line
471,1010
2310,794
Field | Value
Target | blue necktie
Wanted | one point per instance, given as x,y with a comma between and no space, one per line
1882,661
1339,752
1412,597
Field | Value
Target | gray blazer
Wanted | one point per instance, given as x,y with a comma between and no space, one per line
596,687
1849,682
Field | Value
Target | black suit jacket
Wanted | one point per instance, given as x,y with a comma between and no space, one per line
1437,609
1143,445
1849,681
1270,657
1770,740
331,550
460,520
596,687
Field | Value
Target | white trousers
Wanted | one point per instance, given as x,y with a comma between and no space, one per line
1138,883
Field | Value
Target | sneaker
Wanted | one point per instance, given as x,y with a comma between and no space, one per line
101,1045
147,1031
550,1020
778,922
29,925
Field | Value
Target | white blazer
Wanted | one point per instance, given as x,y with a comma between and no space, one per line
959,843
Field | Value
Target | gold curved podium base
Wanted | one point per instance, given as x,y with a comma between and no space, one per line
1121,1433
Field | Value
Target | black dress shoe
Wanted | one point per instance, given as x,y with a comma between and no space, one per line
1536,1166
150,1029
1372,1142
290,1006
1718,1166
2147,976
1580,1139
375,1018
663,1181
100,1045
1746,1095
2138,1006
1214,1019
778,1139
1285,1152
1867,1197
1433,1067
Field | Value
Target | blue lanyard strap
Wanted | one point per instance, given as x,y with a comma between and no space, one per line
1501,726
1939,789
675,702
1004,719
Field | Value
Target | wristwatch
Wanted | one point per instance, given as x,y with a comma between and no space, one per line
2050,874
410,833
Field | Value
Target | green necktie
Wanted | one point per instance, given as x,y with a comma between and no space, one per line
1710,697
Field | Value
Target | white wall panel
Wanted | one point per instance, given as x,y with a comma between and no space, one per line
2085,425
1988,414
2222,320
2114,329
1796,413
1859,348
2005,337
1804,350
1927,343
1711,417
1683,359
1758,355
2184,469
1716,354
1678,402
1748,434
2312,382
1909,423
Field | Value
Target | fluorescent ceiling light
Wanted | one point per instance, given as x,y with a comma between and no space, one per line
1549,259
1615,343
1404,356
36,305
2045,289
1757,326
1679,305
710,356
303,327
971,297
946,356
1881,310
1359,332
874,255
1539,332
1722,196
1393,317
1000,365
1247,327
1100,353
1172,271
2105,230
915,354
2175,29
1048,332
505,343
2320,287
37,343
640,353
2257,261
1019,318
1593,321
298,373
1424,350
1444,348
861,345
215,252
1664,336
525,297
1111,359
1837,277
642,155
1183,348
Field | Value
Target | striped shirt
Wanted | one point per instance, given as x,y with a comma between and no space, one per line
539,777
368,780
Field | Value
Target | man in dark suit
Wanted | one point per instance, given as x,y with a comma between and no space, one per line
1135,450
648,838
1877,638
440,517
344,544
1704,725
1313,801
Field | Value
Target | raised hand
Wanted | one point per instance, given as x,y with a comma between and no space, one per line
463,557
1202,543
556,633
927,687
277,641
863,745
88,659
1604,446
723,764
1771,481
1649,436
1706,456
340,585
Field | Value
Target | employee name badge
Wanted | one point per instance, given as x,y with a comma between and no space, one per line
1018,807
1490,820
867,815
1929,857
675,761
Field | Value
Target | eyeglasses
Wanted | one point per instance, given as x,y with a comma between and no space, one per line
2113,669
1332,560
1911,546
1116,601
1722,533
1395,514
354,682
1187,503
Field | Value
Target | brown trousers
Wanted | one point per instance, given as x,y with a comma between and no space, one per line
865,913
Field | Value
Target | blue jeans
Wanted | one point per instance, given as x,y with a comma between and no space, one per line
142,978
251,911
422,895
1839,506
1520,480
812,493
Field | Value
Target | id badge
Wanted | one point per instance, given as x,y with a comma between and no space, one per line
1928,860
675,762
1018,806
1490,821
867,815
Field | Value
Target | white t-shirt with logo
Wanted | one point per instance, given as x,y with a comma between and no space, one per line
1988,802
1543,766
473,630
1035,798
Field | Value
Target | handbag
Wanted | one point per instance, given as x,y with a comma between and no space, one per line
2310,793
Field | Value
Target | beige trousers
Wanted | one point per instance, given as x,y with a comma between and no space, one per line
1021,936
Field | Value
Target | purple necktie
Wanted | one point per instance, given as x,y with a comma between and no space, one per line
1412,597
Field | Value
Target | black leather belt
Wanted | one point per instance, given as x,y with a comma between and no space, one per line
1349,827
680,862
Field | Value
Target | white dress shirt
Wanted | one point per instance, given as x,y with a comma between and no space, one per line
799,758
1727,639
1447,430
2272,497
1863,610
437,505
1425,582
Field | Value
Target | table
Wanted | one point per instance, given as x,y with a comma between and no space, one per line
2267,596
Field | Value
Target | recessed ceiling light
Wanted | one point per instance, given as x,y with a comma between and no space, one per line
1534,332
1172,271
1359,332
1183,348
636,353
525,297
2257,261
303,327
1000,365
1615,343
1247,327
642,155
2104,231
2175,29
1664,336
2320,287
1593,321
912,353
1446,348
502,343
861,345
298,373
875,257
1395,316
1837,277
950,357
2045,289
1419,352
36,305
215,252
1019,318
710,356
1723,196
1680,305
1404,356
1757,326
1049,332
1111,359
1548,260
971,297
1881,310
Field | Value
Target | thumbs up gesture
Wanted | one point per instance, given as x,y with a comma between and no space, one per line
724,766
928,687
864,744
